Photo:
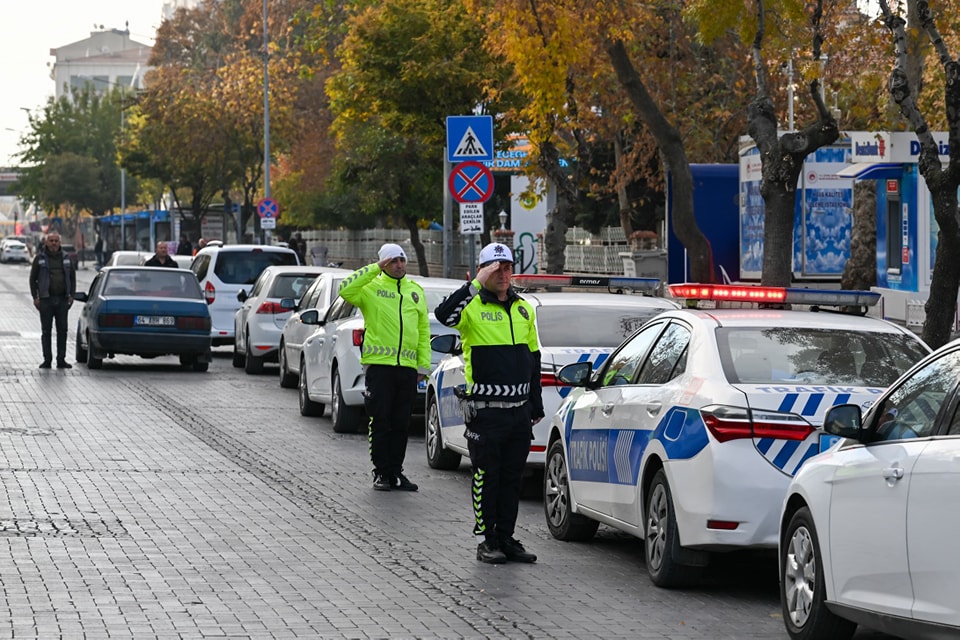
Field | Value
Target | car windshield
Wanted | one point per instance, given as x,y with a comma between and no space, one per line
581,326
291,285
758,355
244,267
436,296
154,282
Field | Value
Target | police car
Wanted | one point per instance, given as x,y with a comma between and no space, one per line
689,433
572,327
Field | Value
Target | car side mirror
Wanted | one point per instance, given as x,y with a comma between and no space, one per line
80,296
445,343
288,304
844,420
576,374
310,316
242,295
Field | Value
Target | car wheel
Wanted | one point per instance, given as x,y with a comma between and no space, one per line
438,457
287,379
662,541
307,406
239,359
93,362
253,364
80,354
563,523
802,591
345,419
200,366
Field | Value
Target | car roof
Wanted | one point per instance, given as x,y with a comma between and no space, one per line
776,318
244,247
305,269
572,298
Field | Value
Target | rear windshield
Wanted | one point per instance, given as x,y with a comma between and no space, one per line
436,296
815,356
154,283
580,326
244,267
291,285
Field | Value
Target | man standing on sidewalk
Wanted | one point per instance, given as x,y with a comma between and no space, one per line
53,280
502,400
395,355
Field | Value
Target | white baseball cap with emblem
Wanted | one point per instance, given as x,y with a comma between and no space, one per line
495,252
391,251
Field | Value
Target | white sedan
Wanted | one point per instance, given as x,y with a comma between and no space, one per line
571,326
330,369
689,433
868,529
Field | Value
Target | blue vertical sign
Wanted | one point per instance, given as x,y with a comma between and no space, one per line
469,138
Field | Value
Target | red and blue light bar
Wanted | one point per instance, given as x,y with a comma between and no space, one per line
777,295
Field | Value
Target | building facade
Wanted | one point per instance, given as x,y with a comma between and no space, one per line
106,59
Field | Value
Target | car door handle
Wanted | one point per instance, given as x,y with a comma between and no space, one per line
654,408
893,473
607,409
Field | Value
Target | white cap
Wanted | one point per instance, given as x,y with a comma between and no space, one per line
391,251
495,252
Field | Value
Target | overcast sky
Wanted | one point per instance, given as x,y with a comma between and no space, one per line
33,27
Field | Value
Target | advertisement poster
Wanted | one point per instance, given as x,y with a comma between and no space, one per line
827,204
751,215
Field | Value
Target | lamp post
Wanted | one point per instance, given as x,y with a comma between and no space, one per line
503,220
266,111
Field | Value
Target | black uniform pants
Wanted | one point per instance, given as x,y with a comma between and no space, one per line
391,391
498,441
53,308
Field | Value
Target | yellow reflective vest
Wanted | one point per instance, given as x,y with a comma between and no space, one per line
396,324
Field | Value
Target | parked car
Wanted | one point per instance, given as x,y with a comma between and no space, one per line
13,251
572,327
868,529
127,258
688,434
259,321
143,311
316,300
330,370
224,271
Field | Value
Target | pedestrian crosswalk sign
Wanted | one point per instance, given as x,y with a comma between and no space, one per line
470,138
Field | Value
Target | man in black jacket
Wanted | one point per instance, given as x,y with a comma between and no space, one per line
53,280
162,258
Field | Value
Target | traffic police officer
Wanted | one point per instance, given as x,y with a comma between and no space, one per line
395,354
502,399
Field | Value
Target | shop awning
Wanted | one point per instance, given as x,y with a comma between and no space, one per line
872,170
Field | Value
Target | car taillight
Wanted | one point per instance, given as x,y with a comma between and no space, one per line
357,337
549,379
193,323
209,292
271,308
115,320
731,423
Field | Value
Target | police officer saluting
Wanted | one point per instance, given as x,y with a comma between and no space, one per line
502,399
395,355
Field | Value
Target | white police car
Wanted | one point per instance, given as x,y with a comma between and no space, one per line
688,434
572,327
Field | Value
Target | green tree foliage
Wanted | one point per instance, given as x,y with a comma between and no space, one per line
70,154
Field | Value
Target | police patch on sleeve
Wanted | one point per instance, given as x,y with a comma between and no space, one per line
523,312
416,298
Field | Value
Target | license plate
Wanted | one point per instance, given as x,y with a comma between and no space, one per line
154,321
827,440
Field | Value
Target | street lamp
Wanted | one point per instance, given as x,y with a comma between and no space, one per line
503,220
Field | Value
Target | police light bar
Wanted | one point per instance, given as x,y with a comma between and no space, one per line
781,295
648,285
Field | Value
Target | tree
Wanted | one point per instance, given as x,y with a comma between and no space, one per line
942,182
70,154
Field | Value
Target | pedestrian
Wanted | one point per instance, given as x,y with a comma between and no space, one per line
502,399
201,243
299,245
162,258
184,248
53,280
98,251
395,355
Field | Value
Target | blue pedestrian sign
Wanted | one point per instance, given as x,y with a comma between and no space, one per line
470,138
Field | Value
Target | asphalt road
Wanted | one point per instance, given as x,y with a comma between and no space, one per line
143,500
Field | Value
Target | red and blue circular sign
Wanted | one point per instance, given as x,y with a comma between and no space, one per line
268,208
471,181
